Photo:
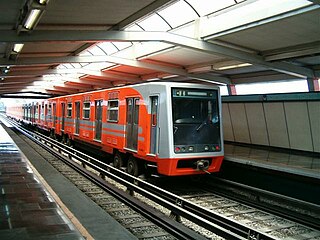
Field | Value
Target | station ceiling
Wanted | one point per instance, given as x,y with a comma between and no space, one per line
73,46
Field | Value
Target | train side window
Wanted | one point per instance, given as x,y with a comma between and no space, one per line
42,112
49,111
36,114
69,110
113,110
45,112
86,110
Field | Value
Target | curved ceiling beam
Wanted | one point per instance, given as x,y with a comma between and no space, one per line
178,40
115,60
23,73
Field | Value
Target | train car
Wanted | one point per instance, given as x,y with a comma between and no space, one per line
15,112
175,128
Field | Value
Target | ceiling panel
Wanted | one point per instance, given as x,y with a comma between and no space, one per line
292,31
98,12
9,14
49,49
130,70
185,57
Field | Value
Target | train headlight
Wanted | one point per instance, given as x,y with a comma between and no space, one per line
190,149
177,149
206,148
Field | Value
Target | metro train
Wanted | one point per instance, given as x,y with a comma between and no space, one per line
172,128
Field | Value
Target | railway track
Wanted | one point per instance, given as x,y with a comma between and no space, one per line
271,222
137,224
292,209
132,216
199,211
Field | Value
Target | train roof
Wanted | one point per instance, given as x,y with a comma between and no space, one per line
156,83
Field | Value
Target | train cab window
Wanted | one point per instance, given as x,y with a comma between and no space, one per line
113,110
69,110
86,110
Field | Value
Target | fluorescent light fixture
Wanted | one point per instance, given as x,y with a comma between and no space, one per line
234,66
18,47
1,79
42,2
32,18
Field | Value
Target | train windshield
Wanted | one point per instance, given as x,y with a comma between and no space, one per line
196,120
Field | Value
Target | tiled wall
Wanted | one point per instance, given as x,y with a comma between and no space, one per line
290,124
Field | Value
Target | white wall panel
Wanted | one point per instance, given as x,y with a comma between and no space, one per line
227,125
257,123
239,122
298,125
276,124
314,114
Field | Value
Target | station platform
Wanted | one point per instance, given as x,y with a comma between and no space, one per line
40,203
295,164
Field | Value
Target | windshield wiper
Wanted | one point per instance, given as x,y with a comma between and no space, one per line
175,129
201,125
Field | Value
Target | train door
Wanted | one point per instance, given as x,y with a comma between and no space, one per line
42,114
77,120
63,115
46,114
33,113
25,111
54,106
36,113
98,119
29,112
154,124
132,126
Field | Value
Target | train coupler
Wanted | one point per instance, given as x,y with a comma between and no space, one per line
202,165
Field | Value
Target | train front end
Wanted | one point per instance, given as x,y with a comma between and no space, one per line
195,136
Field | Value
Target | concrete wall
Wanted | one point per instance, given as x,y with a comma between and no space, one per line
286,124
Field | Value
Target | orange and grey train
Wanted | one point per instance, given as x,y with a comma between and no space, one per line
175,128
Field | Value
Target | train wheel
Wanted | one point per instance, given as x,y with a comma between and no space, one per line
118,160
69,142
64,139
52,135
133,167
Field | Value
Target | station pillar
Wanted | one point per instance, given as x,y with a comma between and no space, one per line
313,84
231,89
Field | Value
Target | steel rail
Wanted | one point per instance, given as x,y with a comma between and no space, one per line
170,225
205,218
261,199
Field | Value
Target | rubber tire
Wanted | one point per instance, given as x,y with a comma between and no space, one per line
69,142
52,135
64,139
118,160
133,167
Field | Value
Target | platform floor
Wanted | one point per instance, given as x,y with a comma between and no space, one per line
308,166
29,211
